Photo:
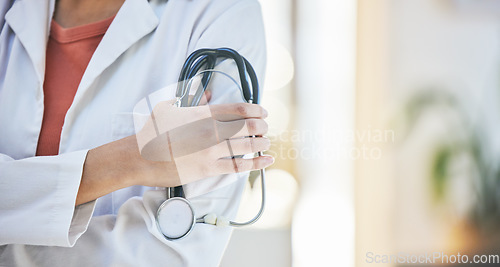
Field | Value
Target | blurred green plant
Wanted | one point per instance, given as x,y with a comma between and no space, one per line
485,212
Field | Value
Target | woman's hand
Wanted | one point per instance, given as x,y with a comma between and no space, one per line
178,146
202,141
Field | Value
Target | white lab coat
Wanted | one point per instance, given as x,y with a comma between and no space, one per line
142,51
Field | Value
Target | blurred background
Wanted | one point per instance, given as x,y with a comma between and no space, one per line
384,119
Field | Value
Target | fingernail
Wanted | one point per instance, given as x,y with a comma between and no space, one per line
269,161
264,113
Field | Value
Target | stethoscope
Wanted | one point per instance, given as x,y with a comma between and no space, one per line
175,217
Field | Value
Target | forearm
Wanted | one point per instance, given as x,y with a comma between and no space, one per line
119,164
108,168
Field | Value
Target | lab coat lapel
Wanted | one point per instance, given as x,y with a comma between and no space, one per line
30,21
134,20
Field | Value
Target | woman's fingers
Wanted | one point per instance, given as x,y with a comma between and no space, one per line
241,128
202,134
241,165
201,140
237,111
241,146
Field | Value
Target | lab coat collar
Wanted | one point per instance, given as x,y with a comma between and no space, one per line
25,18
134,20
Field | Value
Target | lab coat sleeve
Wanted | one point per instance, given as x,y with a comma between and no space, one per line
37,200
131,238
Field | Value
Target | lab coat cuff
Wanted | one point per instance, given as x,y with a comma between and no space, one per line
70,222
80,222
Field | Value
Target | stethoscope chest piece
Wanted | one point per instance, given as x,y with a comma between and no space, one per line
175,218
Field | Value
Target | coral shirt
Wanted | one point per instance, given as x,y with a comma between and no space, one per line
69,51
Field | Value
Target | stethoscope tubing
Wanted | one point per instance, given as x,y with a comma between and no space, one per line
203,61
